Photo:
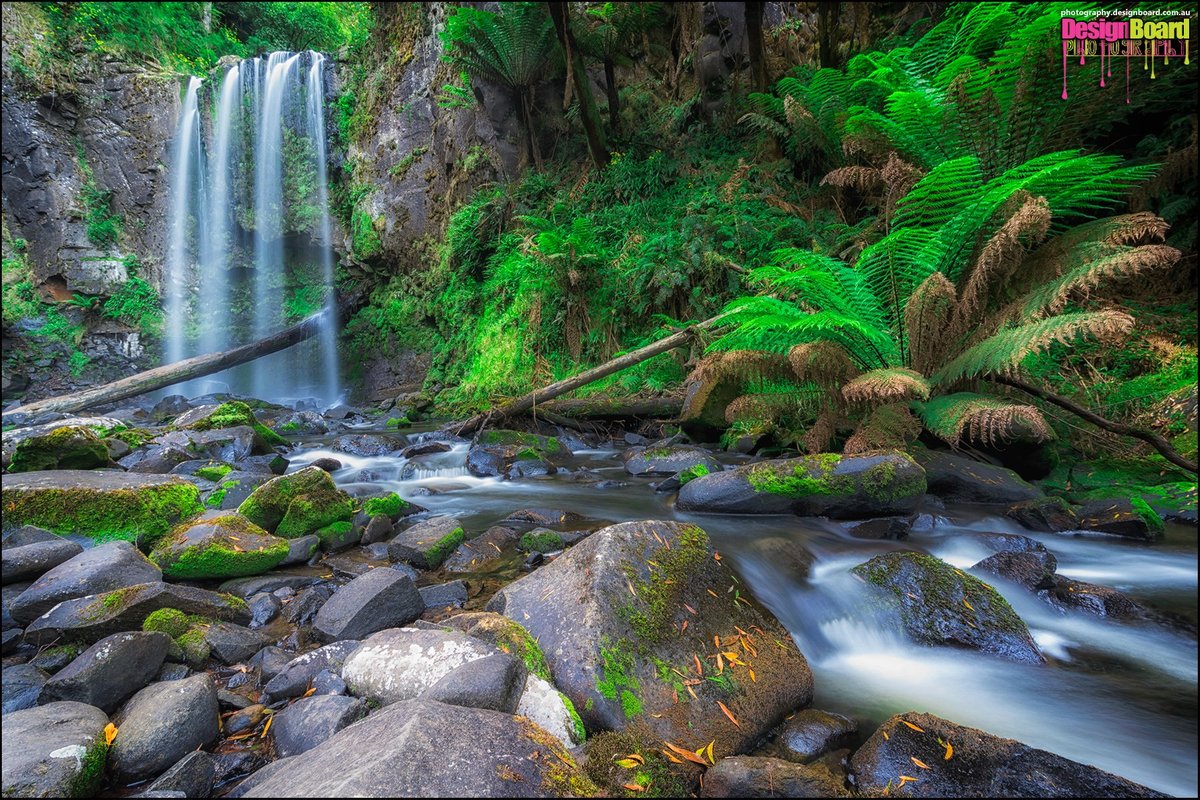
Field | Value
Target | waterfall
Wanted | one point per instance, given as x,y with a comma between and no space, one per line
250,246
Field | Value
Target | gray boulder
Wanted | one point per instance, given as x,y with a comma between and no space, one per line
1129,518
842,487
311,720
22,686
477,554
191,776
812,733
495,682
233,644
382,598
612,609
55,750
426,544
958,479
92,618
113,565
293,679
940,605
452,593
32,560
402,663
109,671
162,724
420,748
753,776
982,765
1033,569
668,460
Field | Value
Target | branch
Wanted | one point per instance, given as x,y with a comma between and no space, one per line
1157,442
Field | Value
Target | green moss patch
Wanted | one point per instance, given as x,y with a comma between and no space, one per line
109,507
72,447
214,473
540,540
391,504
691,473
223,547
297,504
548,444
671,570
617,681
444,546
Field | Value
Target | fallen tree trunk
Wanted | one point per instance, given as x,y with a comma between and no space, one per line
180,371
1157,442
608,408
530,401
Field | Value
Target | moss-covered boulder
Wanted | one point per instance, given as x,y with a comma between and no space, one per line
101,426
91,618
668,460
227,415
426,544
1168,490
1128,517
297,504
100,505
226,546
640,623
941,605
391,504
68,447
830,485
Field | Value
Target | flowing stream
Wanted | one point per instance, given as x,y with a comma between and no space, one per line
1117,696
250,240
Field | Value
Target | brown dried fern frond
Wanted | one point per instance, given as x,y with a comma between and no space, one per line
1053,297
983,419
864,179
898,177
730,367
819,437
886,386
760,408
1026,227
824,363
1098,237
927,316
889,427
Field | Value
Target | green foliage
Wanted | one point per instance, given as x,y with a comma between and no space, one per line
391,504
77,362
303,301
457,95
322,26
103,226
136,303
512,47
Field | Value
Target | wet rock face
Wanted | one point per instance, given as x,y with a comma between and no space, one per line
941,605
965,762
55,750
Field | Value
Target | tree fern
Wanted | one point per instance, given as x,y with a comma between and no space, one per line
962,415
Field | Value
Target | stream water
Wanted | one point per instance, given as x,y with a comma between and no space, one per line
1119,697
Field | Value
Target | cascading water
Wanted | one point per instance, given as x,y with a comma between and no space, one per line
250,241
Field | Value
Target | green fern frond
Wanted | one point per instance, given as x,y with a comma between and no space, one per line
886,386
981,418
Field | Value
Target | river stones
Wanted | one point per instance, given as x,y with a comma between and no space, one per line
496,682
66,447
980,765
481,552
162,724
192,775
225,546
93,617
297,504
31,560
424,748
609,614
426,544
843,487
669,460
311,720
755,776
1049,514
11,439
963,480
811,733
1033,569
22,685
292,680
110,670
114,565
381,598
513,454
100,505
55,750
941,605
402,663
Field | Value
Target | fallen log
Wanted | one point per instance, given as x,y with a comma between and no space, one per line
619,408
180,371
530,401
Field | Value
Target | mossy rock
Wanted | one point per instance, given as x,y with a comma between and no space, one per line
227,415
610,613
506,635
338,536
74,447
426,544
503,437
228,546
941,605
669,460
297,504
830,485
540,540
1131,518
1161,485
100,505
514,454
391,504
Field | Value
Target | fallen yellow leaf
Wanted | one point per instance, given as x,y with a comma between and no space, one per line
670,757
267,727
905,779
110,733
729,714
708,752
914,727
949,751
627,763
919,762
968,605
633,787
686,754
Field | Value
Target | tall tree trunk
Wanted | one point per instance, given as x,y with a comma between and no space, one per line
206,15
827,24
614,100
597,147
525,113
754,41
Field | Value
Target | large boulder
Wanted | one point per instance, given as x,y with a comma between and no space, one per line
55,750
297,504
1033,569
479,553
100,505
12,438
367,444
426,544
66,447
93,617
225,546
293,679
114,565
402,663
965,762
755,776
378,599
811,733
22,686
110,670
231,414
957,479
422,748
312,720
830,485
941,605
162,724
1131,518
668,460
624,616
32,560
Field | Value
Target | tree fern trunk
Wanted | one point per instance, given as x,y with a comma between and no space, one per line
597,147
754,42
614,100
